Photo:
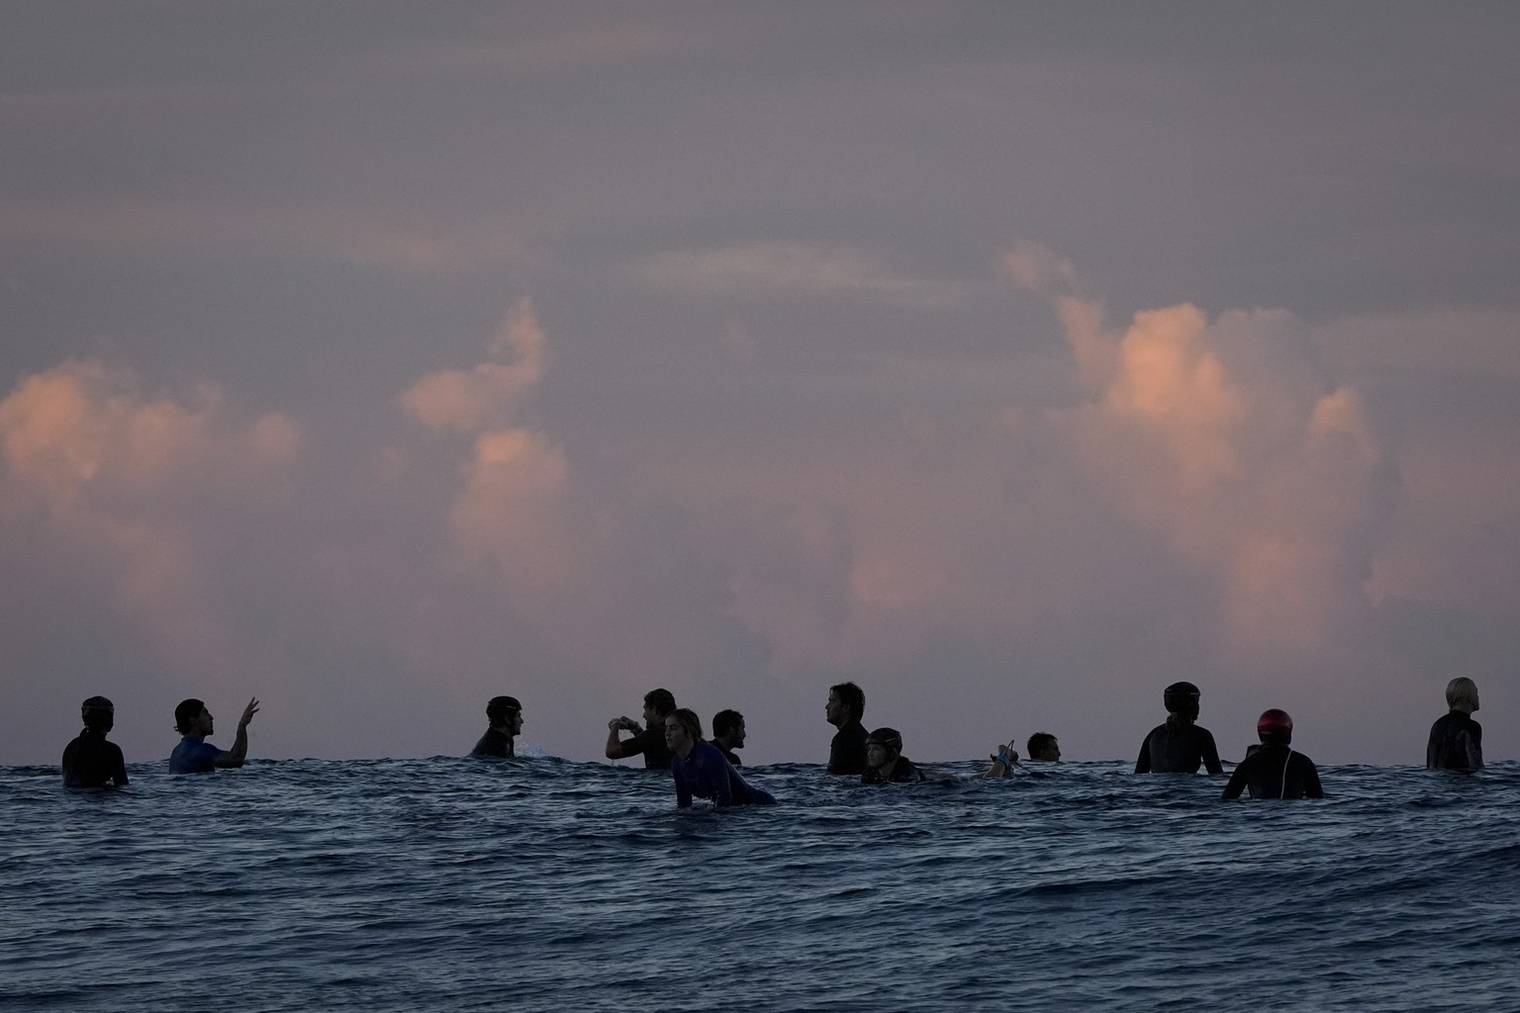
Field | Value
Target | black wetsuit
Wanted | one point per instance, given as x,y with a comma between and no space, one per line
847,753
903,772
92,762
494,743
728,754
1456,743
1180,751
651,743
1275,771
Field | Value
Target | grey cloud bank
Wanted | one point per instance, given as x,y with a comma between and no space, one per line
379,364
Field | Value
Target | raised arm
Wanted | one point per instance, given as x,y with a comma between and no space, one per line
235,756
617,749
1238,780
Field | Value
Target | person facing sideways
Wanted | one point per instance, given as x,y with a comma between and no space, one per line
885,762
194,755
1004,761
1179,746
648,738
728,734
90,761
1275,770
1456,740
1043,746
504,720
845,707
699,769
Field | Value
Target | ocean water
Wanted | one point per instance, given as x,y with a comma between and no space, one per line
452,884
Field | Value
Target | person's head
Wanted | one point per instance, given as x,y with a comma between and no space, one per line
506,713
683,730
847,702
882,747
1462,695
728,726
658,705
1181,700
1043,746
1274,727
192,718
98,713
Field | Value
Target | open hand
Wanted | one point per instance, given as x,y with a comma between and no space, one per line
249,712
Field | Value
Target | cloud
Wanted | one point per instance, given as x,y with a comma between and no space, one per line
1227,436
96,461
767,270
470,400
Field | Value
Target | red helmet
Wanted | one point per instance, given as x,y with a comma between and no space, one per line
1274,723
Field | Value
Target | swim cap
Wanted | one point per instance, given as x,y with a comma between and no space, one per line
1274,724
891,738
97,712
1178,695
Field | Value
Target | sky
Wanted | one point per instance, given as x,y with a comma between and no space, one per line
1010,360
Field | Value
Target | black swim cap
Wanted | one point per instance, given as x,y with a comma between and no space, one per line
1178,695
98,712
891,738
502,707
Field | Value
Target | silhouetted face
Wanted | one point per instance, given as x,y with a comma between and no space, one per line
204,724
835,712
736,736
515,722
676,737
877,755
1049,751
652,717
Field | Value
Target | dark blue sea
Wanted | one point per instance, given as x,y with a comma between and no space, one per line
542,884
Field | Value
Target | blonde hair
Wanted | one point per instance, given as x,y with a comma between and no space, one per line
1462,695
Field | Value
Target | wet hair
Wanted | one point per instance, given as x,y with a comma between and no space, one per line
852,696
726,721
500,708
1462,695
98,713
186,713
687,719
889,738
662,700
1037,743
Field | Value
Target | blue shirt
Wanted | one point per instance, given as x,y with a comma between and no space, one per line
193,755
706,774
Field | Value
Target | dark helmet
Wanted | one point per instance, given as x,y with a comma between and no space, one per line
500,708
98,712
889,738
1274,724
1180,696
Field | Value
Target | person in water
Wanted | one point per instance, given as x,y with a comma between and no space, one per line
1043,747
649,738
194,755
728,735
90,761
504,721
885,762
1004,761
845,707
1456,740
1275,770
1179,746
699,769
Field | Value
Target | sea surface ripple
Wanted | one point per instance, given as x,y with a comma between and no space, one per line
455,884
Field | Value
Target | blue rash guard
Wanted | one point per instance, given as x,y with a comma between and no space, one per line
193,756
706,774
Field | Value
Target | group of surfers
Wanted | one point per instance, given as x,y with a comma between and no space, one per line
670,738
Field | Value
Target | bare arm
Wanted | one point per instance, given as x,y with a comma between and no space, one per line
617,749
235,756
